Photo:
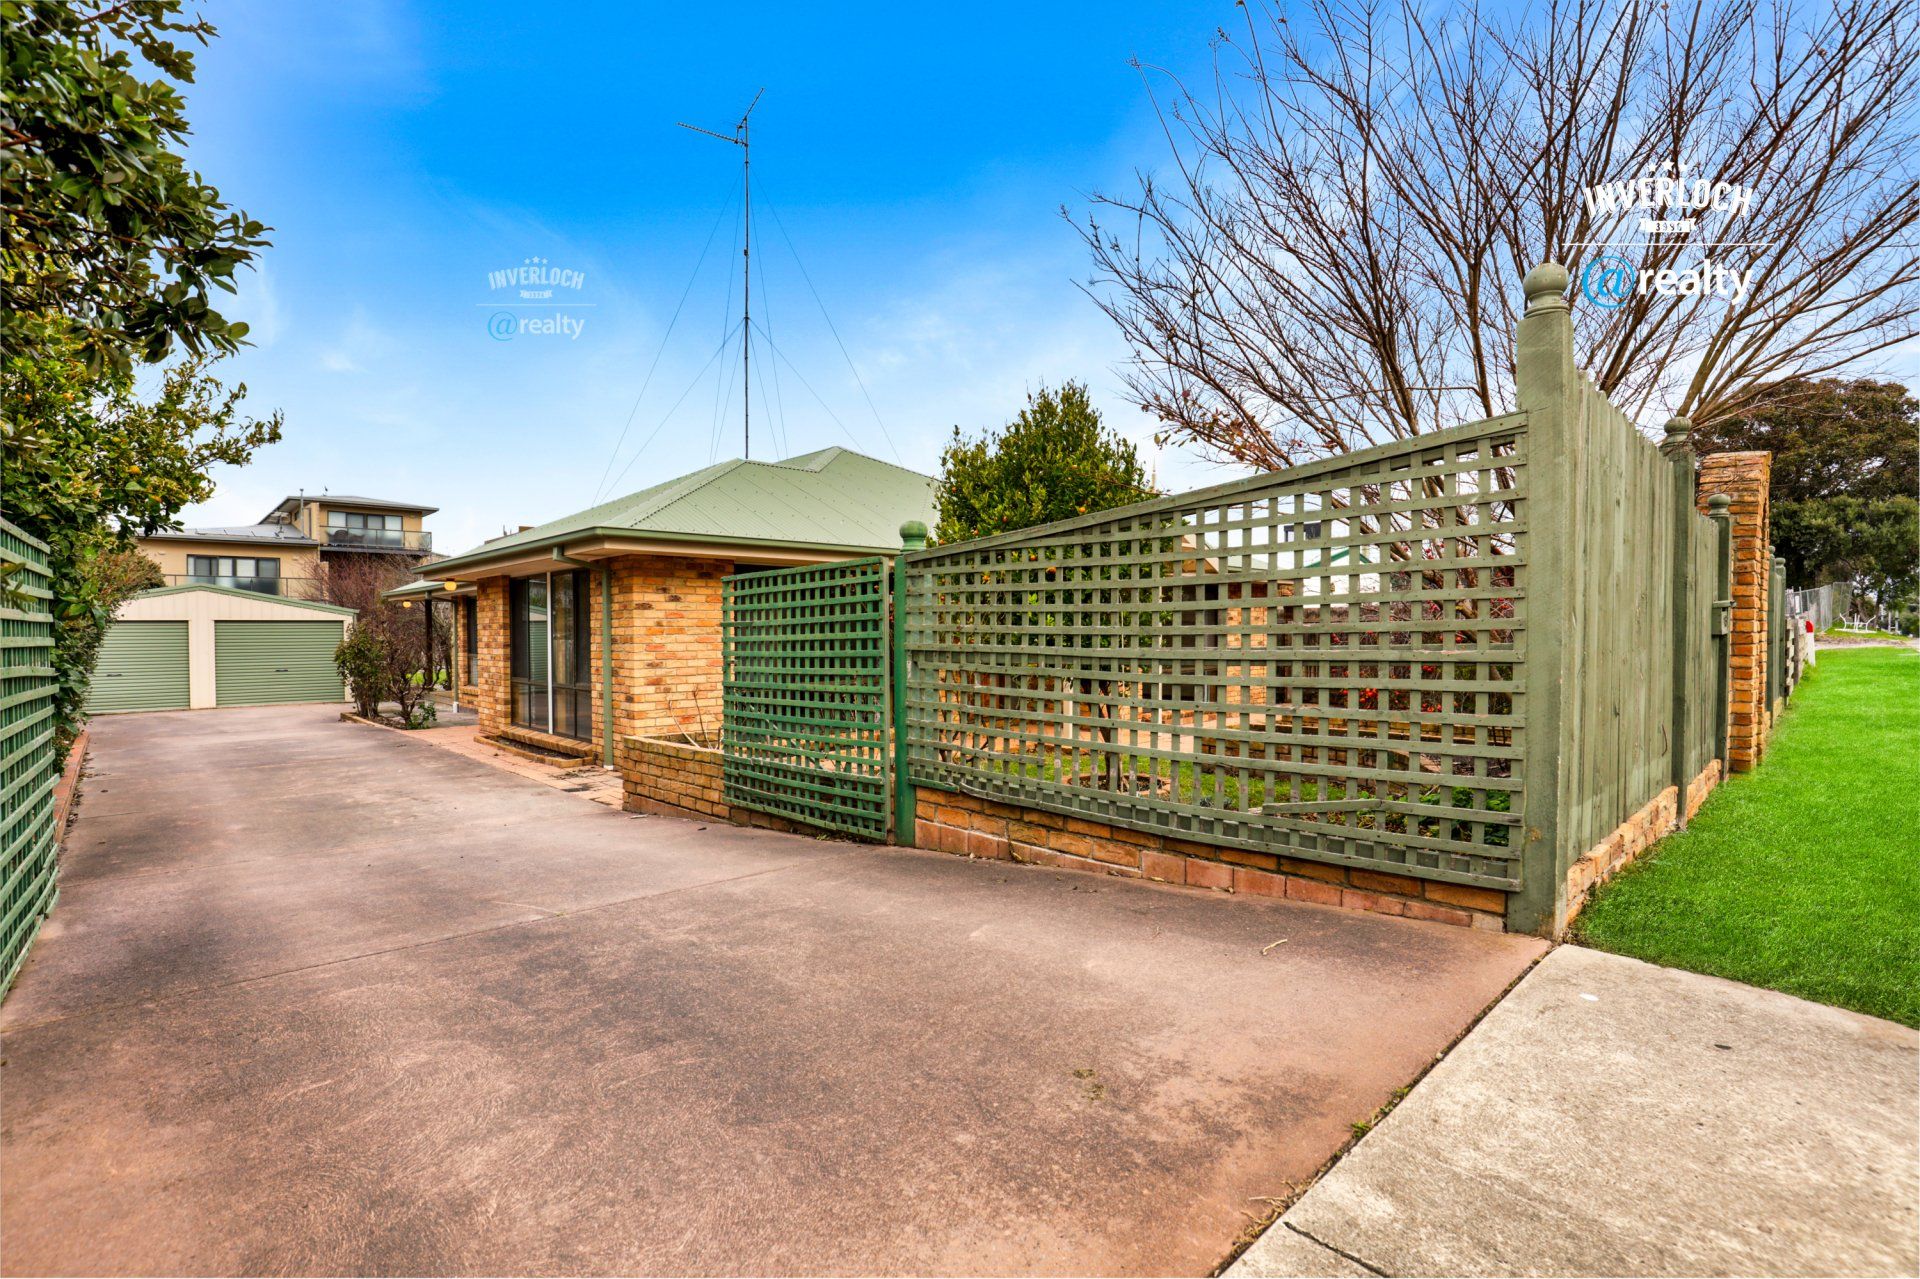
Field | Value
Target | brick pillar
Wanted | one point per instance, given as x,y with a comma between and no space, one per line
491,677
1743,477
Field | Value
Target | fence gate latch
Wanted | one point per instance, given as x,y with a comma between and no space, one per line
1722,617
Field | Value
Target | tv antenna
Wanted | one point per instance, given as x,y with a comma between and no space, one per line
741,137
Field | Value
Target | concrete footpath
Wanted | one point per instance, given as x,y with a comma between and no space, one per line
1610,1117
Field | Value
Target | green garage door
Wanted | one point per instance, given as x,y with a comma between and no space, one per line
257,663
142,667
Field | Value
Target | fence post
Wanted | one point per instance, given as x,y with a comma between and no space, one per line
1720,511
1547,386
1678,449
913,537
1776,651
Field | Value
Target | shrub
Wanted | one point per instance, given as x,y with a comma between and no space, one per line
363,662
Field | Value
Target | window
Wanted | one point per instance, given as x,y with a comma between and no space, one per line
470,645
357,528
551,658
356,520
241,572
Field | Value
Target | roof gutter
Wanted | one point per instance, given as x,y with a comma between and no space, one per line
482,556
560,556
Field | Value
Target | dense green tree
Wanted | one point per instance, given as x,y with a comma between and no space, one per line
1874,543
106,228
89,463
1835,437
1845,475
1055,460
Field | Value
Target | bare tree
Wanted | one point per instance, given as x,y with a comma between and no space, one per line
1332,260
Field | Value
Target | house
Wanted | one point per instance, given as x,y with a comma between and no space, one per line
281,554
606,623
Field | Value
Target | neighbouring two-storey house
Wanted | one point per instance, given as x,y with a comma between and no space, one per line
281,554
238,621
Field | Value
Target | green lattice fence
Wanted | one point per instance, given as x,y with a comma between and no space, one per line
1323,662
29,768
804,728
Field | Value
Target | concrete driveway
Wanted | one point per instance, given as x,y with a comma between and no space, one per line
318,998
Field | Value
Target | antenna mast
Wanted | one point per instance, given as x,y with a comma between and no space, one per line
742,138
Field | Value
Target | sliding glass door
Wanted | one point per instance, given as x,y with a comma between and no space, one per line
552,663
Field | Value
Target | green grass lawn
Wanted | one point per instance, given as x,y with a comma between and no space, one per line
1803,875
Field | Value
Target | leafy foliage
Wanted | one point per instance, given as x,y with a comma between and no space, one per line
383,659
1846,468
361,659
1055,460
89,464
1872,543
1836,437
106,226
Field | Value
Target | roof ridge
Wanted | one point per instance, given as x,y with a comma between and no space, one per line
711,473
843,451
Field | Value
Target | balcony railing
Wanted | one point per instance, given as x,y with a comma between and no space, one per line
378,539
291,587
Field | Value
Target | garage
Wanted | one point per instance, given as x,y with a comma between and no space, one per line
258,663
200,646
142,667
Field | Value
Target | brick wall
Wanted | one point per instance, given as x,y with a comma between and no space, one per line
666,643
1743,477
961,824
680,779
492,694
671,777
1654,821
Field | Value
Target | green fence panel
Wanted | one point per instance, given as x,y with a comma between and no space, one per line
1322,662
806,704
29,769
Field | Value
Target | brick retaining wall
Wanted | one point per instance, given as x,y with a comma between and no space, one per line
955,823
681,779
1652,823
674,778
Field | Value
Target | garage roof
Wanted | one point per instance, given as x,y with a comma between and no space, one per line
316,605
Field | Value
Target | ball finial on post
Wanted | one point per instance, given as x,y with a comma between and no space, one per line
1679,436
1719,505
1546,287
913,535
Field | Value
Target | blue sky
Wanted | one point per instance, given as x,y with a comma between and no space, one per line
916,158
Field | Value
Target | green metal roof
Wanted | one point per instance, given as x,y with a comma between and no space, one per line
833,499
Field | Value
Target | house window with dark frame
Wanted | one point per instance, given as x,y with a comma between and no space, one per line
357,528
470,640
551,654
260,574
